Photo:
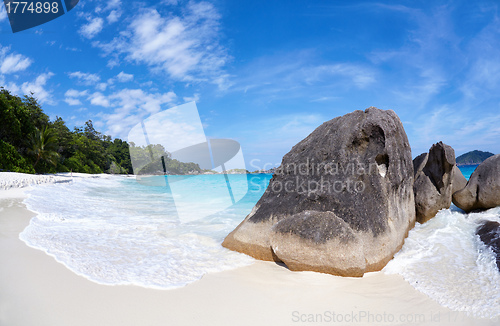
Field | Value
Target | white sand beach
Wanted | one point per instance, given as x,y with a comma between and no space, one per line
37,290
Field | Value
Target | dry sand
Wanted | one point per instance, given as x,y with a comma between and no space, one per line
37,290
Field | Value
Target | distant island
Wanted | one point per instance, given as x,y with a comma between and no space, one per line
472,158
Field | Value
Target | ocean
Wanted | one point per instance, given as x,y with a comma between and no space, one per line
467,170
114,230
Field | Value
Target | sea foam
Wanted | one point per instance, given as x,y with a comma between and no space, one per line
116,231
447,261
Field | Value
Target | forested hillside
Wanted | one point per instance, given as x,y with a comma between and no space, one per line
30,143
474,157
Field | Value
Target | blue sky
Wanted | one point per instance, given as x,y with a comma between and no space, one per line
267,73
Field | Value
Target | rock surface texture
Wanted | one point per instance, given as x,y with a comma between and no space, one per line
459,181
341,202
489,233
434,177
483,189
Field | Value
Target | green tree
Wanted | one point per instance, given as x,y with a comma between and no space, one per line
44,147
90,132
119,151
64,138
19,117
11,160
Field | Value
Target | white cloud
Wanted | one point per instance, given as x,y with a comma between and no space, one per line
37,87
170,2
186,47
114,16
420,72
113,4
195,98
459,127
14,63
302,74
102,86
85,78
130,106
72,101
11,63
131,99
325,99
99,99
105,12
92,28
110,6
483,77
358,75
71,96
75,93
123,77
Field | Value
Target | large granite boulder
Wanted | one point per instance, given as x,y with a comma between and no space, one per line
489,233
434,175
341,202
483,189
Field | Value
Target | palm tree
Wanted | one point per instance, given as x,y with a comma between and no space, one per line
43,146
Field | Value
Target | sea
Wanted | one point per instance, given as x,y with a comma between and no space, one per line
115,230
118,231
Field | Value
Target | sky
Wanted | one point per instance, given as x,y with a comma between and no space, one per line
267,73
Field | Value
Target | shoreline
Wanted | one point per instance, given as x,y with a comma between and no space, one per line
37,290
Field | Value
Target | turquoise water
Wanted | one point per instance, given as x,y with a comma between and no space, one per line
467,170
115,230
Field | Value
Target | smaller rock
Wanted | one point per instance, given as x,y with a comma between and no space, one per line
419,162
489,233
483,189
459,181
433,181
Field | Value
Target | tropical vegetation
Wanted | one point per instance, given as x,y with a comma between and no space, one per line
31,143
473,157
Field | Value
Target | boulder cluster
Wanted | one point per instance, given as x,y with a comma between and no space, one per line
344,198
483,189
